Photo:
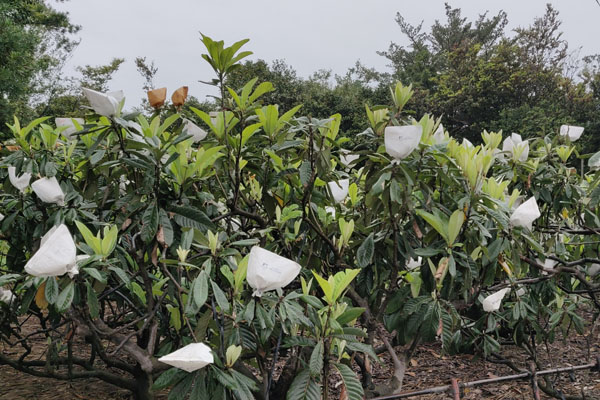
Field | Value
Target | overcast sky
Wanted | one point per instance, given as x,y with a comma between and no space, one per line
308,34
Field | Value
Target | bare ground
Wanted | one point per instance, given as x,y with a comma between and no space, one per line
428,368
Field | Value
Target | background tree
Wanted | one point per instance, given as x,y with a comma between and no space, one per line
35,40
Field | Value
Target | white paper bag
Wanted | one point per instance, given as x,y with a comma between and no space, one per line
49,191
106,104
347,158
328,209
513,144
20,182
400,141
269,271
68,133
56,256
197,133
493,301
525,214
413,264
593,270
339,189
6,296
548,265
572,132
189,358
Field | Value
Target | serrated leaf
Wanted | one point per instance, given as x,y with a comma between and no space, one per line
354,389
167,228
121,274
350,314
365,252
305,173
316,359
454,224
362,348
304,388
436,222
51,290
168,378
189,217
92,300
65,298
200,289
94,273
220,297
150,223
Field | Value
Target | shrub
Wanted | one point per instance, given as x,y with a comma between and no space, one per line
134,241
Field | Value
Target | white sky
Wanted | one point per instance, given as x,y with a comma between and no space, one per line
308,34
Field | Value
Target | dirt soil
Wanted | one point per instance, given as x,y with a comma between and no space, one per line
428,368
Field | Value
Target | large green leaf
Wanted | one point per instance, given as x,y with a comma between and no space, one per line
190,217
316,359
220,297
304,387
200,289
454,224
364,255
150,223
51,290
436,222
353,387
65,298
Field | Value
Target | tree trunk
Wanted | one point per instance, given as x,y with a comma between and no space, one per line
143,390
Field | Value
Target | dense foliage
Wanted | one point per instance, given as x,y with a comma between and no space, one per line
411,237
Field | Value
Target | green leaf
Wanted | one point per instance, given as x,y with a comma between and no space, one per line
249,131
150,223
121,274
316,359
454,224
220,297
168,378
362,348
167,228
175,317
51,290
365,252
261,89
90,239
341,281
94,273
4,279
65,298
182,388
245,242
200,289
353,387
350,315
239,275
304,388
436,222
395,192
189,217
312,300
109,242
326,287
92,300
305,173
